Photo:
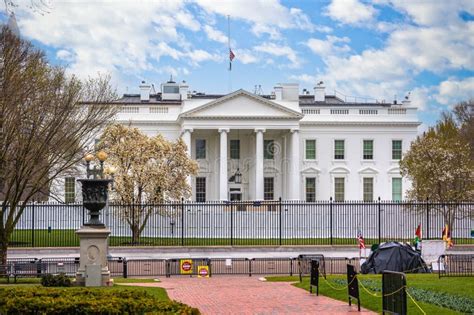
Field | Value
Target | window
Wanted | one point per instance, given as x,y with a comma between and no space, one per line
268,188
269,149
339,149
310,189
396,149
70,189
235,149
200,149
368,189
201,189
397,189
310,150
170,89
368,153
339,188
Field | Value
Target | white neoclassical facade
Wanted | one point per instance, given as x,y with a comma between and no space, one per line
304,146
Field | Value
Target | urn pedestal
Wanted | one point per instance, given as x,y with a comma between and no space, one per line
93,253
93,265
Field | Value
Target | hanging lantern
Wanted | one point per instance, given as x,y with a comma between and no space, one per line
238,177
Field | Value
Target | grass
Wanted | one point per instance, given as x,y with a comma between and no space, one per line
158,293
68,238
460,286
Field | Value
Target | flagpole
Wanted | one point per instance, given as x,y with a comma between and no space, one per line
230,61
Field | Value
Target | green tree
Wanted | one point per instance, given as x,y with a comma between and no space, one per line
149,171
44,126
440,168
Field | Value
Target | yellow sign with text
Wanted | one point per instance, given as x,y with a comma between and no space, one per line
186,266
203,271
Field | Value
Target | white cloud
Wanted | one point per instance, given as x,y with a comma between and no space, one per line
453,91
279,51
245,56
215,35
197,56
266,16
433,13
350,11
123,38
331,45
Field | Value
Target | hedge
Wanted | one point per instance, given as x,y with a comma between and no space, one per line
38,300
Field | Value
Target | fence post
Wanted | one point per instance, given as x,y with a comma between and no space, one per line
232,223
125,268
427,219
182,221
330,218
279,203
33,225
380,220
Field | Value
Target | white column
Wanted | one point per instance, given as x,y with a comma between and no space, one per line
223,180
259,164
295,165
186,136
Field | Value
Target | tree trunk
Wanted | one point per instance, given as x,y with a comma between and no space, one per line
135,234
3,250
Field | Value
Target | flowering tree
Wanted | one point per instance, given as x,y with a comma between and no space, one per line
441,169
148,172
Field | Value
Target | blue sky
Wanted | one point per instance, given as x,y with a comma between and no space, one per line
376,49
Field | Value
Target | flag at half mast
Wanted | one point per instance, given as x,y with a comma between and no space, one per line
231,57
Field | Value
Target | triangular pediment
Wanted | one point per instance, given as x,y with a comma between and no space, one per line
242,104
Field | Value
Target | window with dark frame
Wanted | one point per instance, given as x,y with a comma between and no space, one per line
310,189
368,188
396,149
268,188
200,189
310,149
339,189
397,189
200,149
235,149
339,149
368,153
70,189
268,149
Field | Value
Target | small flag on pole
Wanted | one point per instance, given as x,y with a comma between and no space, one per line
360,239
417,240
231,57
446,234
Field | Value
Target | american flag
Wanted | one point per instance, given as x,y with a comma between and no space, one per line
360,238
231,57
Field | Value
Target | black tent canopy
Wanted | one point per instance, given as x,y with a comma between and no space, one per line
394,256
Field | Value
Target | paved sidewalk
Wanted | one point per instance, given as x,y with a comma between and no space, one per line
248,295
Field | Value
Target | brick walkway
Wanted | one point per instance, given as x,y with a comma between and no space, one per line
248,295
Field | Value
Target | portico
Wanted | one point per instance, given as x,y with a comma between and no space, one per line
248,133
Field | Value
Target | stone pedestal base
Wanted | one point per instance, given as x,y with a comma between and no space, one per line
94,250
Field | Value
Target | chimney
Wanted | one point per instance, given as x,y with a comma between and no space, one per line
183,90
278,93
145,91
319,92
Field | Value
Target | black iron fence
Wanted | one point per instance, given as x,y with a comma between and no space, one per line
461,265
123,267
247,223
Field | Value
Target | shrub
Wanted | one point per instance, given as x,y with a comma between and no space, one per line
85,301
60,280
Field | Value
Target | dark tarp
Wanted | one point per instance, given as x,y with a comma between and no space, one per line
394,256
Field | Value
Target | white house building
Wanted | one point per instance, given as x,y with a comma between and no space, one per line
262,147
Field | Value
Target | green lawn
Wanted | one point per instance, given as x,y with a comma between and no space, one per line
421,287
68,238
158,293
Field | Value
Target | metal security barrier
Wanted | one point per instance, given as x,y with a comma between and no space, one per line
394,295
304,264
456,266
353,285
